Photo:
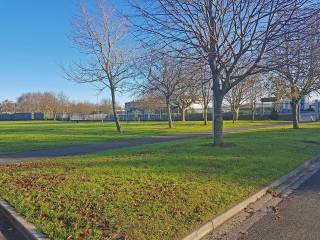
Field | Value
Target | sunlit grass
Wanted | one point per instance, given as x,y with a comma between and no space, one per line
162,191
32,135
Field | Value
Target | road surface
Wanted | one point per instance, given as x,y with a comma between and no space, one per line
296,218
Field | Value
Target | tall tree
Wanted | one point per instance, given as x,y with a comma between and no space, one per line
100,36
162,76
231,37
295,63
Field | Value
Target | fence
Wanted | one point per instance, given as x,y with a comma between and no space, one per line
21,116
305,116
110,117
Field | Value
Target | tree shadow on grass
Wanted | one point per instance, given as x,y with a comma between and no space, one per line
224,145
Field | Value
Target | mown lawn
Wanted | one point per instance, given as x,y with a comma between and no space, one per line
33,135
162,191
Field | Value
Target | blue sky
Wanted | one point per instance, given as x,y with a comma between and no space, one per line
34,44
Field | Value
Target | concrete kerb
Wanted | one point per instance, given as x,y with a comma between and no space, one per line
27,229
237,208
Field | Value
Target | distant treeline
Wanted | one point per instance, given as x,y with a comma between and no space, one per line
50,103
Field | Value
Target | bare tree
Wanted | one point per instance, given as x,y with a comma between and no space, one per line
7,106
231,37
46,102
82,107
99,37
184,102
105,106
50,104
163,77
296,63
187,94
237,96
256,91
29,102
205,99
151,103
203,88
63,103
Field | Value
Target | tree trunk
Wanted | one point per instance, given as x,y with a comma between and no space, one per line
237,111
170,124
233,116
295,114
183,111
253,115
205,116
253,110
217,121
113,100
217,98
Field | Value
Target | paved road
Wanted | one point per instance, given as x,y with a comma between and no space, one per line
99,147
7,232
297,218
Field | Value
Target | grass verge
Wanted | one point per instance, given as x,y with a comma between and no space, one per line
162,191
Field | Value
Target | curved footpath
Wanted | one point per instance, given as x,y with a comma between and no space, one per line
100,147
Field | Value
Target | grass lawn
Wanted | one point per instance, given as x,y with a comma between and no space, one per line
32,135
162,191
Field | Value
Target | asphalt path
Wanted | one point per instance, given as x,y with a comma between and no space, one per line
100,147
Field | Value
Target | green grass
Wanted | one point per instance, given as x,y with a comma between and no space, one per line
33,135
159,191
